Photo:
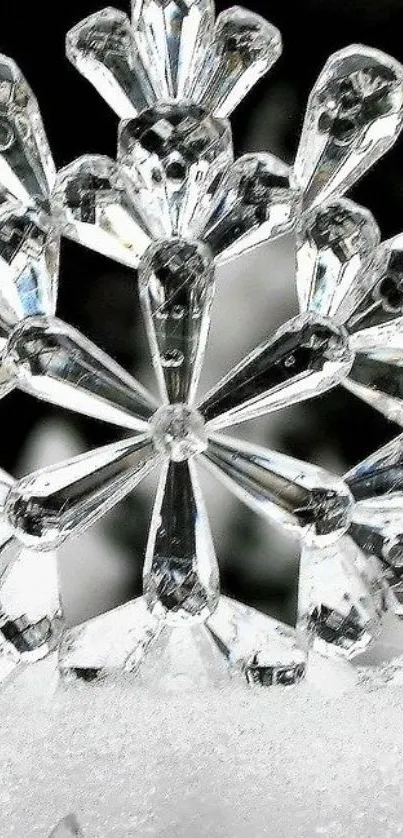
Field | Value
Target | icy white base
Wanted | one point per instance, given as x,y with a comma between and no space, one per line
206,763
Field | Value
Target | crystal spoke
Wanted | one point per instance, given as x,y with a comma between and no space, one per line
255,202
265,651
54,362
354,116
335,248
306,357
308,501
67,828
342,598
181,580
173,37
245,47
95,204
50,505
176,280
27,170
378,475
103,49
175,153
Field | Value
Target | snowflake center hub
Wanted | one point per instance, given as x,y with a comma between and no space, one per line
178,431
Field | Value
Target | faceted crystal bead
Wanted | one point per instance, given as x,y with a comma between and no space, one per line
354,116
255,202
335,246
176,279
181,580
342,598
178,432
306,357
305,499
54,362
95,204
104,50
29,266
67,828
173,37
175,154
26,167
50,505
245,47
378,380
263,650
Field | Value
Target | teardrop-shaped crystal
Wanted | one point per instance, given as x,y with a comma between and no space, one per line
342,598
305,499
376,322
335,247
245,47
354,116
265,651
114,642
305,357
27,170
181,579
377,379
29,265
54,362
380,474
96,205
50,505
67,828
175,153
255,202
173,38
30,609
103,49
176,279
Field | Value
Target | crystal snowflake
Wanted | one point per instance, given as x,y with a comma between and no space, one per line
175,206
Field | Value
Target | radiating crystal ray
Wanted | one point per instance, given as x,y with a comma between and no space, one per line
50,505
175,153
377,379
180,581
342,598
305,499
264,651
27,170
173,38
335,248
103,48
254,202
95,204
354,116
54,362
305,357
245,47
176,280
67,828
380,474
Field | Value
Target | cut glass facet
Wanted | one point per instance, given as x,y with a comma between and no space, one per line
176,280
354,116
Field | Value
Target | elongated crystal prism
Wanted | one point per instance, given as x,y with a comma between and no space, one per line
305,357
176,279
27,170
379,532
377,319
29,266
95,205
54,362
342,598
50,505
181,580
305,499
174,154
67,828
173,37
103,48
265,651
380,474
335,248
245,47
255,202
354,116
378,380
